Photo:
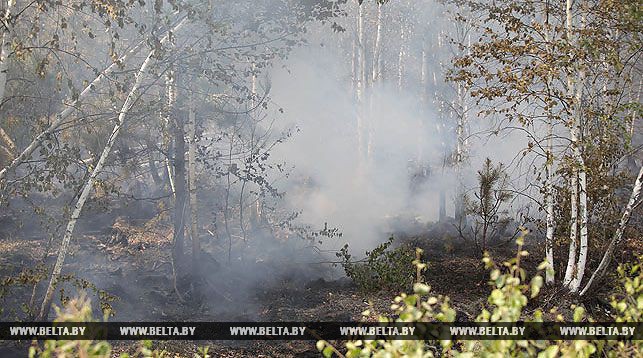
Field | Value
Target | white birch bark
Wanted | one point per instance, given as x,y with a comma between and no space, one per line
8,142
84,194
256,206
360,86
170,99
460,153
549,206
5,48
424,100
570,271
400,60
577,127
549,187
618,235
196,247
353,89
377,57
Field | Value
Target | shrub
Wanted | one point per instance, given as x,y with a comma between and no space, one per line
76,310
79,310
383,268
507,301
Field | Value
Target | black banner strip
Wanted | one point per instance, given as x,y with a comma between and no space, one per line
318,330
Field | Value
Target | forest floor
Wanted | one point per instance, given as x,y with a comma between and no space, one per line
133,263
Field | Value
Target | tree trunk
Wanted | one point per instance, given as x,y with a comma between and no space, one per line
180,201
400,60
226,210
154,171
440,127
459,155
618,235
170,101
7,147
360,88
353,89
256,205
5,49
550,275
570,271
579,165
377,57
194,235
582,175
443,206
424,101
549,207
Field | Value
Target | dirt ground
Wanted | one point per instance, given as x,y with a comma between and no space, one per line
132,261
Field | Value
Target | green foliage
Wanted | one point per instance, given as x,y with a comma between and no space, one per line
506,303
79,310
383,268
76,310
487,206
628,302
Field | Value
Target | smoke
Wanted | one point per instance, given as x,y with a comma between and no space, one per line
314,89
398,189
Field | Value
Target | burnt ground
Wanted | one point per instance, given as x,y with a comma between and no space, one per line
132,262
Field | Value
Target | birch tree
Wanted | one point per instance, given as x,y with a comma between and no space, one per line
541,68
377,47
360,87
194,234
578,232
88,186
5,46
71,105
632,204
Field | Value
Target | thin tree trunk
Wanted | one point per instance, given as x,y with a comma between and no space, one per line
241,205
194,234
576,133
424,101
570,271
7,146
549,207
256,206
582,208
440,128
550,274
377,57
180,201
618,235
375,77
5,49
154,171
84,194
170,102
400,60
360,87
459,155
62,116
443,206
226,211
353,90
170,173
634,114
